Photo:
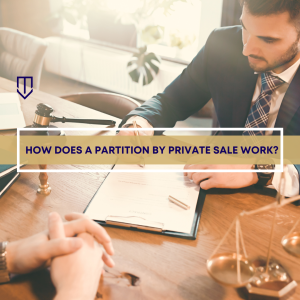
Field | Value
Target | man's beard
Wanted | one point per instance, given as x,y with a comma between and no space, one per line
289,55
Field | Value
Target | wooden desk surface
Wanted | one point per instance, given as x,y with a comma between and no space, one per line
169,268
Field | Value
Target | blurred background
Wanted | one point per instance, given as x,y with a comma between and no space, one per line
132,47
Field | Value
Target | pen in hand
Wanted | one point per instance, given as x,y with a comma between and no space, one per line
136,133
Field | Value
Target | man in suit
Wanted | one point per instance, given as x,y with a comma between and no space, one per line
251,73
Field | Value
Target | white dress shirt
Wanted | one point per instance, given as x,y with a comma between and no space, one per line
292,176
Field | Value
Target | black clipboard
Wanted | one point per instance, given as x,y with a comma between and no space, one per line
189,236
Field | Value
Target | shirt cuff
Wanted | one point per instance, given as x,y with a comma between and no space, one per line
141,122
291,181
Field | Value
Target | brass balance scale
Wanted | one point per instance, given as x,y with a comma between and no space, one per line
262,279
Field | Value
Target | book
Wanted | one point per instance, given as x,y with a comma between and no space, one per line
7,181
6,169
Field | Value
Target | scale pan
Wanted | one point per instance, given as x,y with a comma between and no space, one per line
223,269
291,243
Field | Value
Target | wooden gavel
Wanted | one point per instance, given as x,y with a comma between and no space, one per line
44,187
43,117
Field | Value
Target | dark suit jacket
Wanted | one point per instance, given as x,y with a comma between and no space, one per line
219,71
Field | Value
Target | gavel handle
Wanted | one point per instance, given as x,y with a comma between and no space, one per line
86,121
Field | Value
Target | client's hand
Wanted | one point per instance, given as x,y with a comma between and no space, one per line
75,276
35,252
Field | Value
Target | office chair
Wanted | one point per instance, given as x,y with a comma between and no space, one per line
112,104
21,54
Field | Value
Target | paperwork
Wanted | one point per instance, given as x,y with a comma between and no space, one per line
141,199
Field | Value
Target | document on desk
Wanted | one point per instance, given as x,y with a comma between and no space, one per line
11,115
141,199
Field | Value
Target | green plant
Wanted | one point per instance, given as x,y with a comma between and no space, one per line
146,9
74,10
143,66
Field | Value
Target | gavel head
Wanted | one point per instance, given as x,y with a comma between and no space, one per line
43,115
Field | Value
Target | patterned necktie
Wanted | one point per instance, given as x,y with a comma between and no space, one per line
259,113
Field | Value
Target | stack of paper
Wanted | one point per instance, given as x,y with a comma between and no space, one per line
142,198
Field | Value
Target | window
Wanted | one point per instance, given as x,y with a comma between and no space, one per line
171,28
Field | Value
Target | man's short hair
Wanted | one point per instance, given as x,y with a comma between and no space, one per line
270,7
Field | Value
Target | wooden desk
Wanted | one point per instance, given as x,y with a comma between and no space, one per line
169,268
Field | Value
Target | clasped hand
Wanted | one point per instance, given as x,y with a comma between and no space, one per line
72,249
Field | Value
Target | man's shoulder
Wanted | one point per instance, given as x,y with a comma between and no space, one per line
229,31
228,37
222,55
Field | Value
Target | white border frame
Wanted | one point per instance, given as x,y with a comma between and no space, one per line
148,129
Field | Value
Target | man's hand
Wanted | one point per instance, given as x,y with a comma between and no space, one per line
131,132
36,252
75,276
133,141
230,180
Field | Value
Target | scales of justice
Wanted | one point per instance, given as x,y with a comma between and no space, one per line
263,279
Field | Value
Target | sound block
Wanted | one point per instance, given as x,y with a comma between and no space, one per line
46,132
277,284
